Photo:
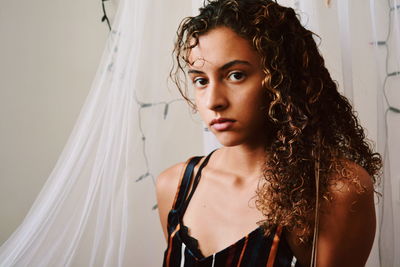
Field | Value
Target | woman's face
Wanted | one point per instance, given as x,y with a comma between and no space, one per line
226,75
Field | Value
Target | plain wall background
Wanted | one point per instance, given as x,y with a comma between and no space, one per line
49,54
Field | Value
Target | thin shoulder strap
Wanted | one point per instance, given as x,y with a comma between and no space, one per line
180,205
173,215
195,183
185,182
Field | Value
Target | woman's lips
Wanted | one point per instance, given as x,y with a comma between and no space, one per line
222,124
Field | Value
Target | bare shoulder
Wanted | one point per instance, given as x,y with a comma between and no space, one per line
168,180
347,220
166,186
352,182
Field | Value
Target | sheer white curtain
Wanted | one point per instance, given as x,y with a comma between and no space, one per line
385,24
96,208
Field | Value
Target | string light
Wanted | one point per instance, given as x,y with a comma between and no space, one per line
105,17
141,105
390,109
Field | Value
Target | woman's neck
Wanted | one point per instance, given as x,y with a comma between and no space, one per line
245,161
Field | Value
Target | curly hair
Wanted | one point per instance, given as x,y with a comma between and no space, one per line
306,109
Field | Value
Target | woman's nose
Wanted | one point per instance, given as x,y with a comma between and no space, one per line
216,97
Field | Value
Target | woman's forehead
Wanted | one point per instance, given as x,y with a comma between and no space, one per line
221,45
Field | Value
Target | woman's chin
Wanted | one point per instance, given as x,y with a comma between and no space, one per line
229,140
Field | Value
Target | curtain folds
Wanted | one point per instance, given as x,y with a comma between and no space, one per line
97,208
385,24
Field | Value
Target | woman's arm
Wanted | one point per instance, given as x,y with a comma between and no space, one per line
347,224
166,186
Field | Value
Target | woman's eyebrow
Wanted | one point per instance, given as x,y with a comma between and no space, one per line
224,67
233,63
195,71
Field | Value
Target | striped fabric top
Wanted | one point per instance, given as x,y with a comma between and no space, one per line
253,250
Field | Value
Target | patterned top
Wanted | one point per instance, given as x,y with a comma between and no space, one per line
253,250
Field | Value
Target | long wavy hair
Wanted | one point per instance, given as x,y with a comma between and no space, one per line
306,110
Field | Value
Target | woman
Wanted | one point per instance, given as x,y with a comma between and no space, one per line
293,183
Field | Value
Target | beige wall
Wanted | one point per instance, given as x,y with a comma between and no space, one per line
49,53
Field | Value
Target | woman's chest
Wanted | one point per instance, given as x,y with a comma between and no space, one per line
219,216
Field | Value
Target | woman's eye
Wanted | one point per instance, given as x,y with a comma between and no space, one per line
200,82
236,76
